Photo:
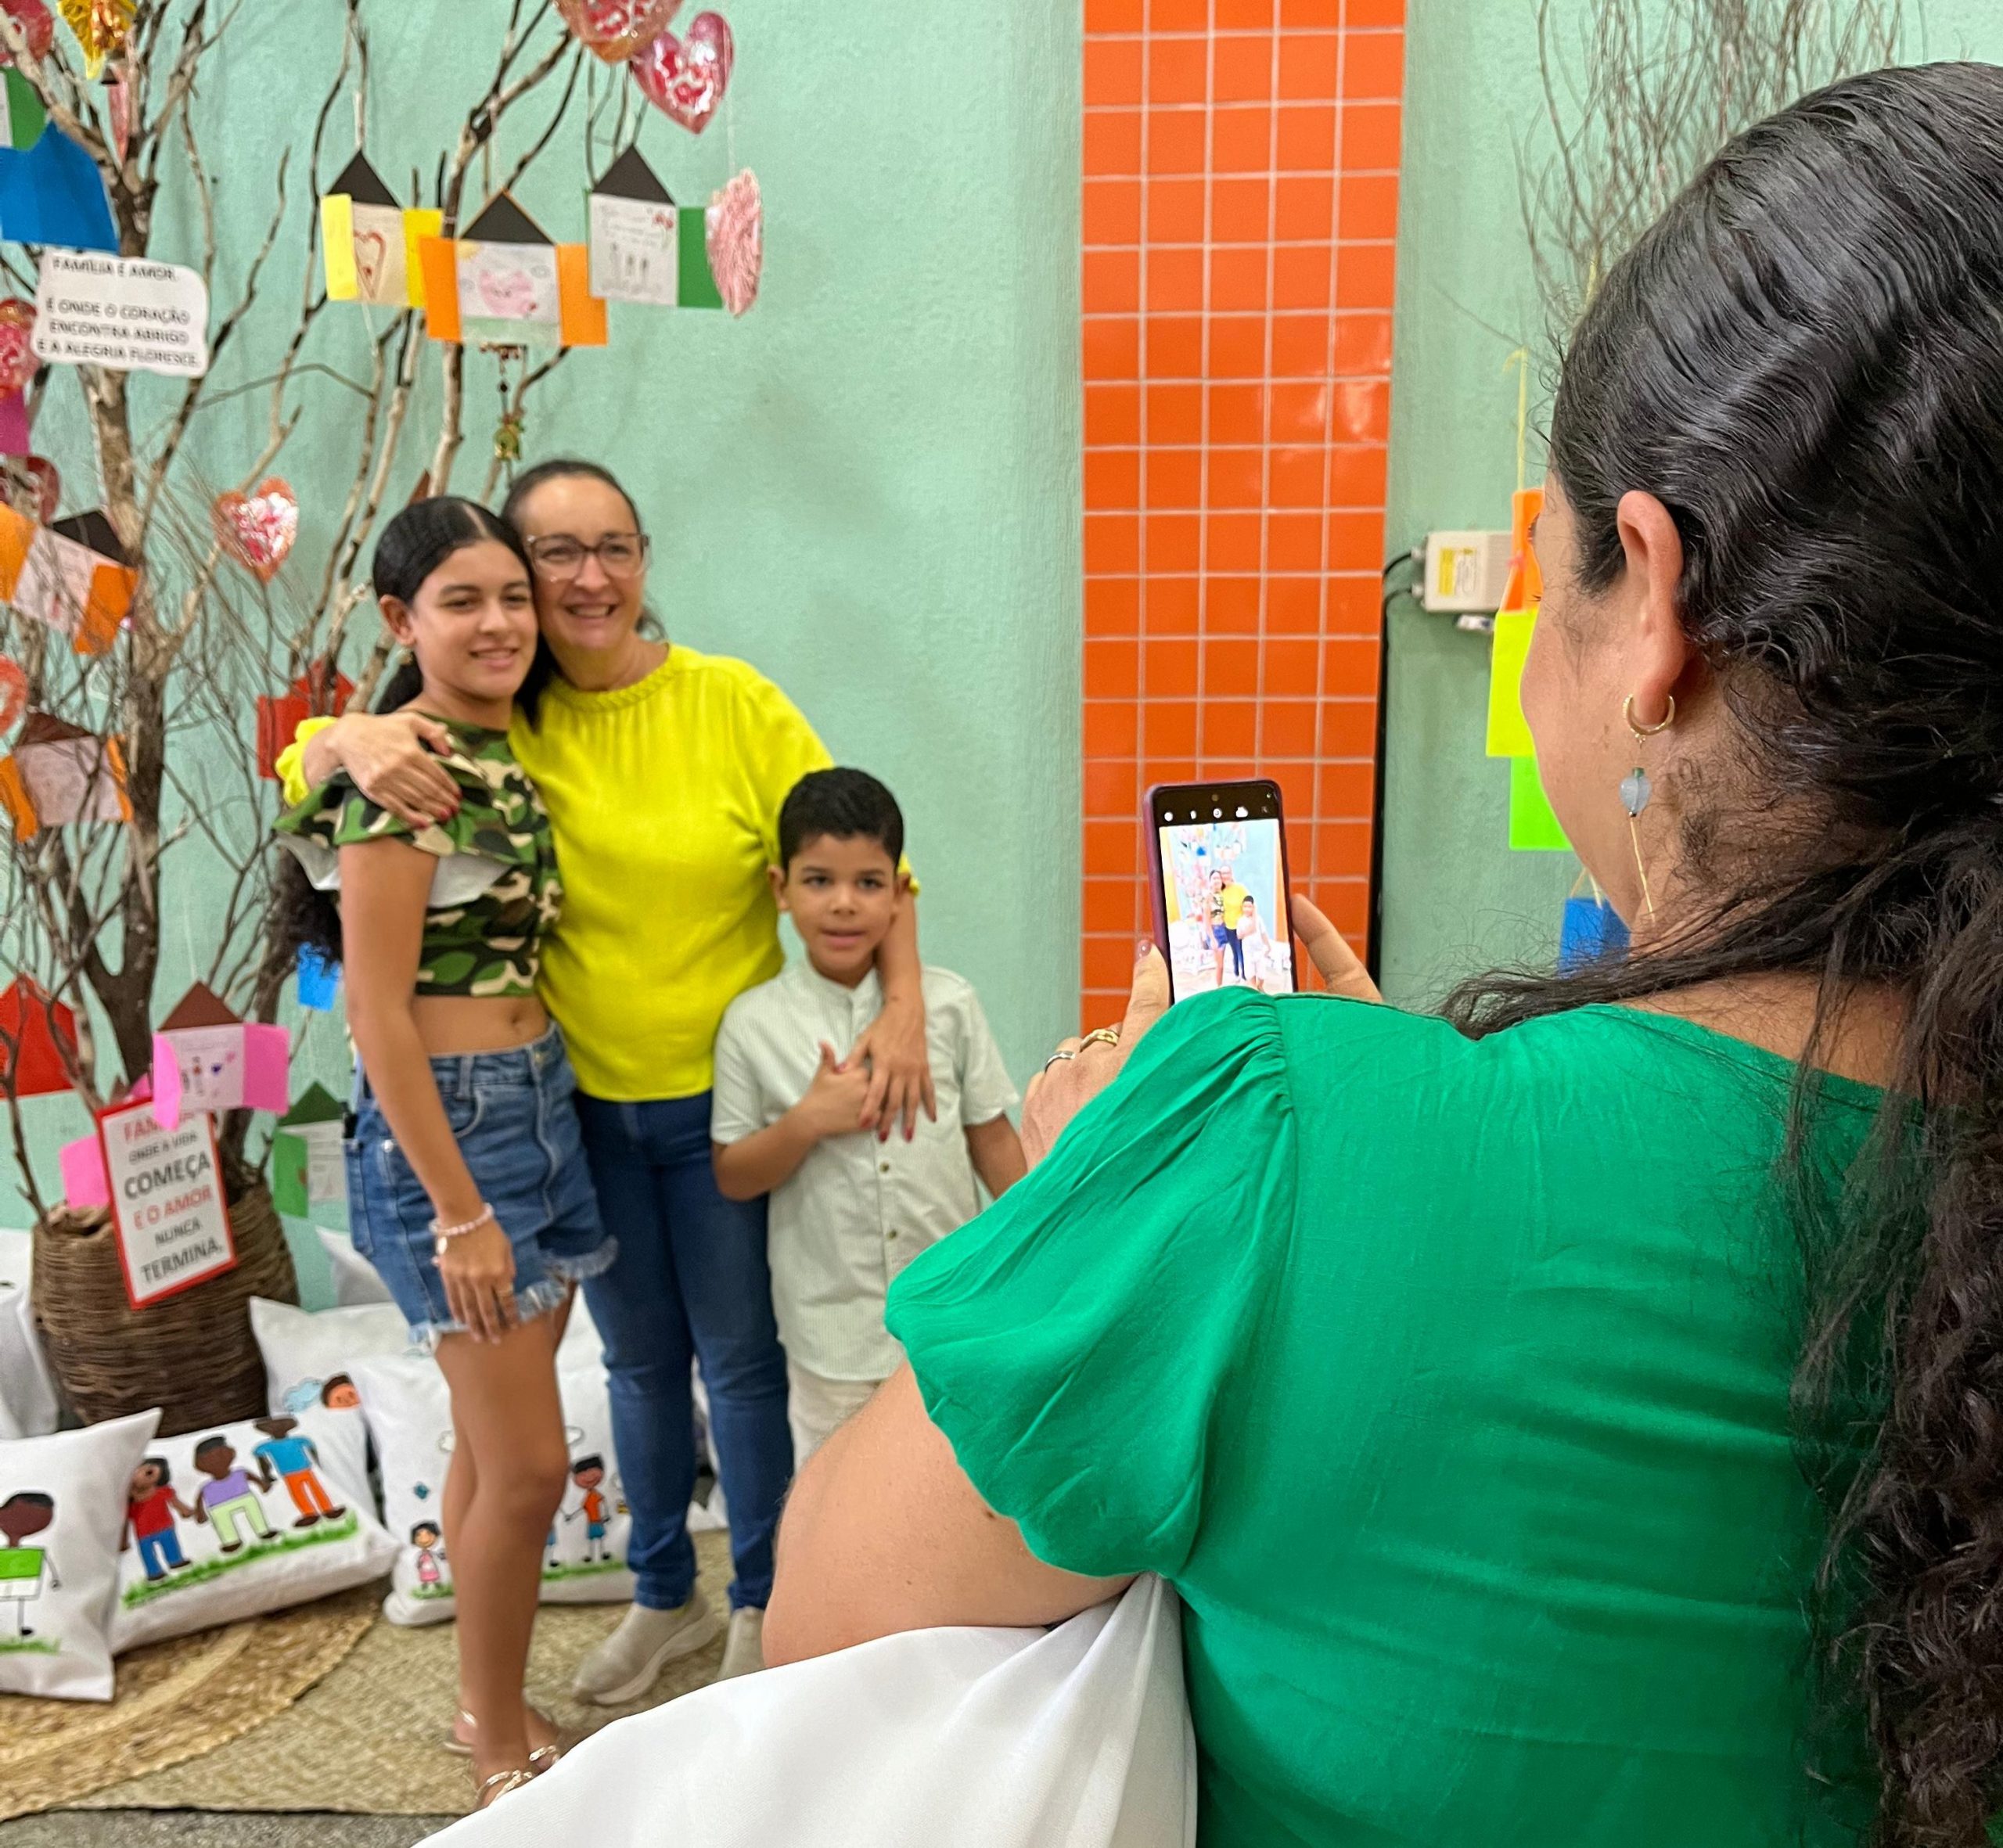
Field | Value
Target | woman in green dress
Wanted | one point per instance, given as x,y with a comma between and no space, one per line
1576,1421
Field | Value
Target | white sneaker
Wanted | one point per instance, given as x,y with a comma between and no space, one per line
744,1651
629,1661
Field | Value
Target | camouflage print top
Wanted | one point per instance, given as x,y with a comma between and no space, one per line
496,891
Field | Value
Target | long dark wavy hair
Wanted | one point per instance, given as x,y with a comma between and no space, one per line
414,544
1803,361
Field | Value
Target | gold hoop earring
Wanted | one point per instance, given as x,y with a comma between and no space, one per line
1636,789
1642,731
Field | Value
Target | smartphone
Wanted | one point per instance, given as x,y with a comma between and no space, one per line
1217,866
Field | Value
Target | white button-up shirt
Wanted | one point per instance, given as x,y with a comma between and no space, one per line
856,1211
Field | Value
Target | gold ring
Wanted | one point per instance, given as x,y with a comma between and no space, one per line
1100,1036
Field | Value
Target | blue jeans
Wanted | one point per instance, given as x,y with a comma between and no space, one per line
690,1280
511,1114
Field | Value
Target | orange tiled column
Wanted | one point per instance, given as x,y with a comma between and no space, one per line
1241,187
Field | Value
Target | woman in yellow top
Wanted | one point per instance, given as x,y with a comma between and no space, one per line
662,771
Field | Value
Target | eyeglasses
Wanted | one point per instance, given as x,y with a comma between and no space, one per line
619,555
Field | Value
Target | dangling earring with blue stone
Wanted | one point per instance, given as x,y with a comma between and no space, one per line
1635,789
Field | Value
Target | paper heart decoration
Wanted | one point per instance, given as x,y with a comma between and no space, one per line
371,248
734,228
33,17
13,692
614,30
509,295
686,78
257,530
30,485
17,359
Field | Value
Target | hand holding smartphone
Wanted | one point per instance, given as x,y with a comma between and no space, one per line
1217,859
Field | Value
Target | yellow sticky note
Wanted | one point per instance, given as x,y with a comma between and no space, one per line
1533,827
1509,736
418,223
337,243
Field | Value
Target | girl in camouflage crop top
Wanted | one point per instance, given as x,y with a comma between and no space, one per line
481,938
467,1186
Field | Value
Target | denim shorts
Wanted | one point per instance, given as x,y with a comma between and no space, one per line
516,1121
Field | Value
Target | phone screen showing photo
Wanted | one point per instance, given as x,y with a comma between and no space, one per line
1223,892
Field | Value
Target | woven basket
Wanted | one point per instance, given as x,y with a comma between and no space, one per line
192,1355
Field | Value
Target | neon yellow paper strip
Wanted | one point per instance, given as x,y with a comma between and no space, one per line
1509,736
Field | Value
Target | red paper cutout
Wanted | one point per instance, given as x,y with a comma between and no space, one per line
35,1030
280,715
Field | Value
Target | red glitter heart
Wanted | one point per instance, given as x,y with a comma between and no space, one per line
686,78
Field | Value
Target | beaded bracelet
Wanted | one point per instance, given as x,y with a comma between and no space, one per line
443,1235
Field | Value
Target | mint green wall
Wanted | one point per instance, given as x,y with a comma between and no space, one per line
869,486
1456,900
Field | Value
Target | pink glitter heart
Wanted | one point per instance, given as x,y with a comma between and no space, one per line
734,229
686,78
614,30
17,359
258,529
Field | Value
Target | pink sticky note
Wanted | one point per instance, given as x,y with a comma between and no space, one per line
84,1181
166,1083
266,1064
13,425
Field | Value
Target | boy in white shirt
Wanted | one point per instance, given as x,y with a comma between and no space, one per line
848,1210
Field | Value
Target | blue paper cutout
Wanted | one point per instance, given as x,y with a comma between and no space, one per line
53,194
318,980
1592,930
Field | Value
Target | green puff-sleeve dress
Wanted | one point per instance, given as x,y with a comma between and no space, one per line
1448,1381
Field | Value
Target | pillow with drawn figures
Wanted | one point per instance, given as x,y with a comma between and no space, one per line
62,1506
28,1405
309,1357
233,1521
410,1416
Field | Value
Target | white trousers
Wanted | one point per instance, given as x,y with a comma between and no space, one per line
815,1404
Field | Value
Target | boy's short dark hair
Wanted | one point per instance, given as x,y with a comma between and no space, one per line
848,804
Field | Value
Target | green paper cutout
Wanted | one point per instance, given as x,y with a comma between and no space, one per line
25,116
315,1104
1532,828
289,1161
696,286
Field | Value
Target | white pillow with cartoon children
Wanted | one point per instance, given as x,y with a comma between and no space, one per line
62,1506
309,1357
236,1520
410,1416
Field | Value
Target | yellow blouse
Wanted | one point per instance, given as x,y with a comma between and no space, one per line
664,796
